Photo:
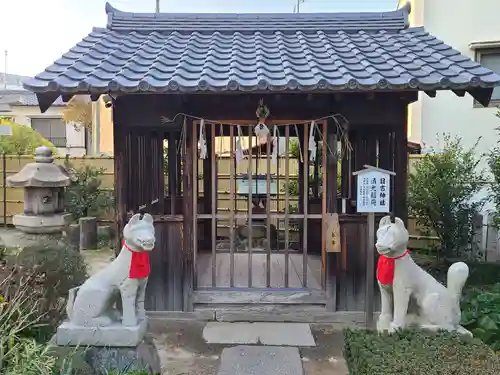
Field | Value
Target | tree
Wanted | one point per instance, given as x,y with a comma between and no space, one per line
23,141
494,186
85,195
441,196
79,112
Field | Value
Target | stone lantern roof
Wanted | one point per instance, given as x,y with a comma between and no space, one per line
42,173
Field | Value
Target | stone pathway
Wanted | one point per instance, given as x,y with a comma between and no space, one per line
260,360
184,351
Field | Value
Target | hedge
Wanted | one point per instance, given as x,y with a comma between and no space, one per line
480,273
413,352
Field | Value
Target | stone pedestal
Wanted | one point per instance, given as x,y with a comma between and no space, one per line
111,359
34,224
143,357
115,335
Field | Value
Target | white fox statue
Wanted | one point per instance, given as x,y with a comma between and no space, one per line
410,296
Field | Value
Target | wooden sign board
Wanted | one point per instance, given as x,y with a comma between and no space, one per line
332,233
374,190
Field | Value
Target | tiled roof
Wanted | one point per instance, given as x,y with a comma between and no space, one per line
260,52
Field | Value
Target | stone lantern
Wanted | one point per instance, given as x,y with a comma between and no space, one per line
43,183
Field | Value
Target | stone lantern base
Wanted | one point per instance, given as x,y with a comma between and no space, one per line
37,224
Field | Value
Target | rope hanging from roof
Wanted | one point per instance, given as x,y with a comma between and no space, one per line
339,120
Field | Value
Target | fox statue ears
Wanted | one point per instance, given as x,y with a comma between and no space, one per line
386,220
137,218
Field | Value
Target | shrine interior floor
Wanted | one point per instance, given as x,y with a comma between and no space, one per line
259,270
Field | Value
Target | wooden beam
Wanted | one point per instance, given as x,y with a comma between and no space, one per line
188,211
235,296
119,149
401,169
331,207
381,110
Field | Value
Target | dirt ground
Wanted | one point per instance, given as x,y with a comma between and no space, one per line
183,351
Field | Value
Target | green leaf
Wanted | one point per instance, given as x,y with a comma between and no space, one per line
487,324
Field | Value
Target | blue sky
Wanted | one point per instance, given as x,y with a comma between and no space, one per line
37,32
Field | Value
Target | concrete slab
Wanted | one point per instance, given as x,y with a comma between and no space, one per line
260,360
230,333
285,334
280,334
114,335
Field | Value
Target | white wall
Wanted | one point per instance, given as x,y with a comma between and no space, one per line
457,23
75,138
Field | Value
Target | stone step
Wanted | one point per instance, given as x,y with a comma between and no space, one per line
279,313
279,334
260,360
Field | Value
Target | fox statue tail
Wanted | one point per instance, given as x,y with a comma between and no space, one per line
457,276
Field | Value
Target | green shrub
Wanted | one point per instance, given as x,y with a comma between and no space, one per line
85,196
31,358
441,195
416,353
480,273
20,292
481,314
23,141
59,268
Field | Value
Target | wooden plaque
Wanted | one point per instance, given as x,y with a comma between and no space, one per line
332,233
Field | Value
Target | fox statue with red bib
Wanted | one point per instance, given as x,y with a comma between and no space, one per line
410,296
94,303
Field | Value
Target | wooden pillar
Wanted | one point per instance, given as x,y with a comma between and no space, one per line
207,188
120,176
188,210
401,167
305,161
331,207
300,181
172,171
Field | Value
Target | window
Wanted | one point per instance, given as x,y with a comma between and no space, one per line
53,129
490,58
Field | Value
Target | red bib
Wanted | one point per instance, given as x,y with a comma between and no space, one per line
139,265
385,268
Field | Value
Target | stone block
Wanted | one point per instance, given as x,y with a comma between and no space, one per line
88,233
284,334
46,224
260,360
113,335
143,357
104,360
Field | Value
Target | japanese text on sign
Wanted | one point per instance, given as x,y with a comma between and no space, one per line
373,192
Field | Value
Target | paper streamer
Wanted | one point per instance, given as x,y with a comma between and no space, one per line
239,151
203,142
312,142
274,156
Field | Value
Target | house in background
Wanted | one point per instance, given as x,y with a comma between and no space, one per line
473,28
11,81
22,107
